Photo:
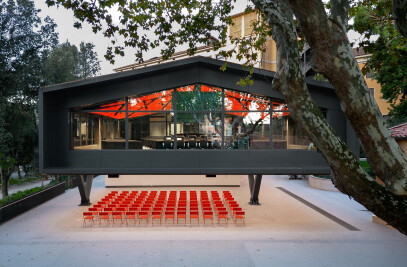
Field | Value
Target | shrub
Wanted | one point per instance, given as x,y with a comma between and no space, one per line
22,194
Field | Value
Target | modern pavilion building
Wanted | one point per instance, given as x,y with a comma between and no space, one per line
182,117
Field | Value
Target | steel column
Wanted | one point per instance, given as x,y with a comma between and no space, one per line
85,185
255,188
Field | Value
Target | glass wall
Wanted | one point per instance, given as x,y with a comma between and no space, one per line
190,117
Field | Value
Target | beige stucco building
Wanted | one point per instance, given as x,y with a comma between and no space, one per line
373,85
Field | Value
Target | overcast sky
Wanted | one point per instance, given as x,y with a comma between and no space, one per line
65,19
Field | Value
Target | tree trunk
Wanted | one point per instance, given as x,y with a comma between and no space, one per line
333,57
4,186
349,176
19,172
400,16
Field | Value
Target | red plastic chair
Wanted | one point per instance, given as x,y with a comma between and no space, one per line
143,215
223,215
130,215
182,214
117,216
104,216
95,213
193,214
108,210
240,215
208,215
88,216
169,215
156,215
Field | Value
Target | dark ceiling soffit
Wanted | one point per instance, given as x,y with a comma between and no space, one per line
204,61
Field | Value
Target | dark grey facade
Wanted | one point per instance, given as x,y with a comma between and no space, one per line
56,103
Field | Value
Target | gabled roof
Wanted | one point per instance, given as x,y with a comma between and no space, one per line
168,66
399,131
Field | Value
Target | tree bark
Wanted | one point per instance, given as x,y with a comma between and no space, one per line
4,185
333,57
349,176
400,16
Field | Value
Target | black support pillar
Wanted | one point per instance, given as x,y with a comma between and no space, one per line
254,184
85,185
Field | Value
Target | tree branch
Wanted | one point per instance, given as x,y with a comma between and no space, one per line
333,57
349,176
340,13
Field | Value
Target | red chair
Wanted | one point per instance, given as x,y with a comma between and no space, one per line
208,215
240,215
182,214
130,215
88,216
156,215
223,215
122,210
169,215
95,213
143,215
117,216
235,210
193,214
108,210
104,216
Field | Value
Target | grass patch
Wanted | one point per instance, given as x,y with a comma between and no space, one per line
365,165
14,181
323,176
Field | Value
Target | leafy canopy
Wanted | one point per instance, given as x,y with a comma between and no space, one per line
388,60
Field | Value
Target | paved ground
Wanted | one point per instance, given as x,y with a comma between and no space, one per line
281,232
15,188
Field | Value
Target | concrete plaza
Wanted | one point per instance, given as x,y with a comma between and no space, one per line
282,231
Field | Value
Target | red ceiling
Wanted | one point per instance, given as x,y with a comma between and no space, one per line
162,101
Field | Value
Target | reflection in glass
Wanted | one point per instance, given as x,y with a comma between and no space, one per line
199,97
287,135
96,131
250,130
113,131
200,130
236,101
118,104
280,106
198,115
159,101
85,131
151,131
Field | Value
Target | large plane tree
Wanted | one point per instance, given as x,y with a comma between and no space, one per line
194,22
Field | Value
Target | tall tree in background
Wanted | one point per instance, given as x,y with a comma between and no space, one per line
89,64
66,62
24,37
193,22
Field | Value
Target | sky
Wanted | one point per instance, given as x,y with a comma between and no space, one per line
64,19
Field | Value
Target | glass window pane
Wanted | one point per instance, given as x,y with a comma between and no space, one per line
160,101
279,105
151,130
199,97
84,129
286,134
249,130
199,130
118,104
112,130
235,101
